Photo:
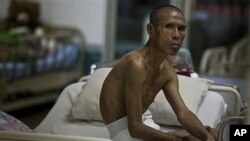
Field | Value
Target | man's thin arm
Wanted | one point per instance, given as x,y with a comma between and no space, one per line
134,86
193,125
188,120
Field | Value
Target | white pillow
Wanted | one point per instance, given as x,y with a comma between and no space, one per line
86,106
191,91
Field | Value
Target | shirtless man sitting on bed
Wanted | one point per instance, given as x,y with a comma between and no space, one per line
134,81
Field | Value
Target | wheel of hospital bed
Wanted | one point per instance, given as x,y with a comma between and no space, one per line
23,136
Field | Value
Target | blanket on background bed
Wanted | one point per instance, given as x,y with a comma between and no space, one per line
10,123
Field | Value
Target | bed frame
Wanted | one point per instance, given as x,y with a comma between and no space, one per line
21,136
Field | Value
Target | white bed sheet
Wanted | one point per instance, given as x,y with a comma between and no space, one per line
58,120
211,111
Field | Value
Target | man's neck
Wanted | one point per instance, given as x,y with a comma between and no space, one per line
154,57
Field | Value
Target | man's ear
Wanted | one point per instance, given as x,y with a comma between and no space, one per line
150,29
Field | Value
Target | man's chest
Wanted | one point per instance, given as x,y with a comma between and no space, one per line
150,89
154,83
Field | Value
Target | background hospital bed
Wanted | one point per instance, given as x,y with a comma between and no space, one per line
59,119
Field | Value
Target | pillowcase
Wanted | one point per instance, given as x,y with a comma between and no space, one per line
86,106
191,90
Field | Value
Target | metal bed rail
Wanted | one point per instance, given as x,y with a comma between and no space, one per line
229,89
233,90
24,136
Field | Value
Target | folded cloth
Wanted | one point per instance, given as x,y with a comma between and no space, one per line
147,119
118,129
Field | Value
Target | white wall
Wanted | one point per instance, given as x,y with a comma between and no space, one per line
4,4
87,15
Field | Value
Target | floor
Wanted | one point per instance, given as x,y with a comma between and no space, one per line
32,116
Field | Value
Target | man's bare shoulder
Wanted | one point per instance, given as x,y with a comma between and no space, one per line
168,70
132,60
167,67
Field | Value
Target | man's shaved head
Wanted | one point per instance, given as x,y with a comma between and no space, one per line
154,14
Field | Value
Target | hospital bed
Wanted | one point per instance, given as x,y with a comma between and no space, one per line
211,110
61,121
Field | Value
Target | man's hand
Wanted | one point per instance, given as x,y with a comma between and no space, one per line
183,135
213,132
192,138
210,138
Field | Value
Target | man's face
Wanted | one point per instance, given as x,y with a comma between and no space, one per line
170,31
